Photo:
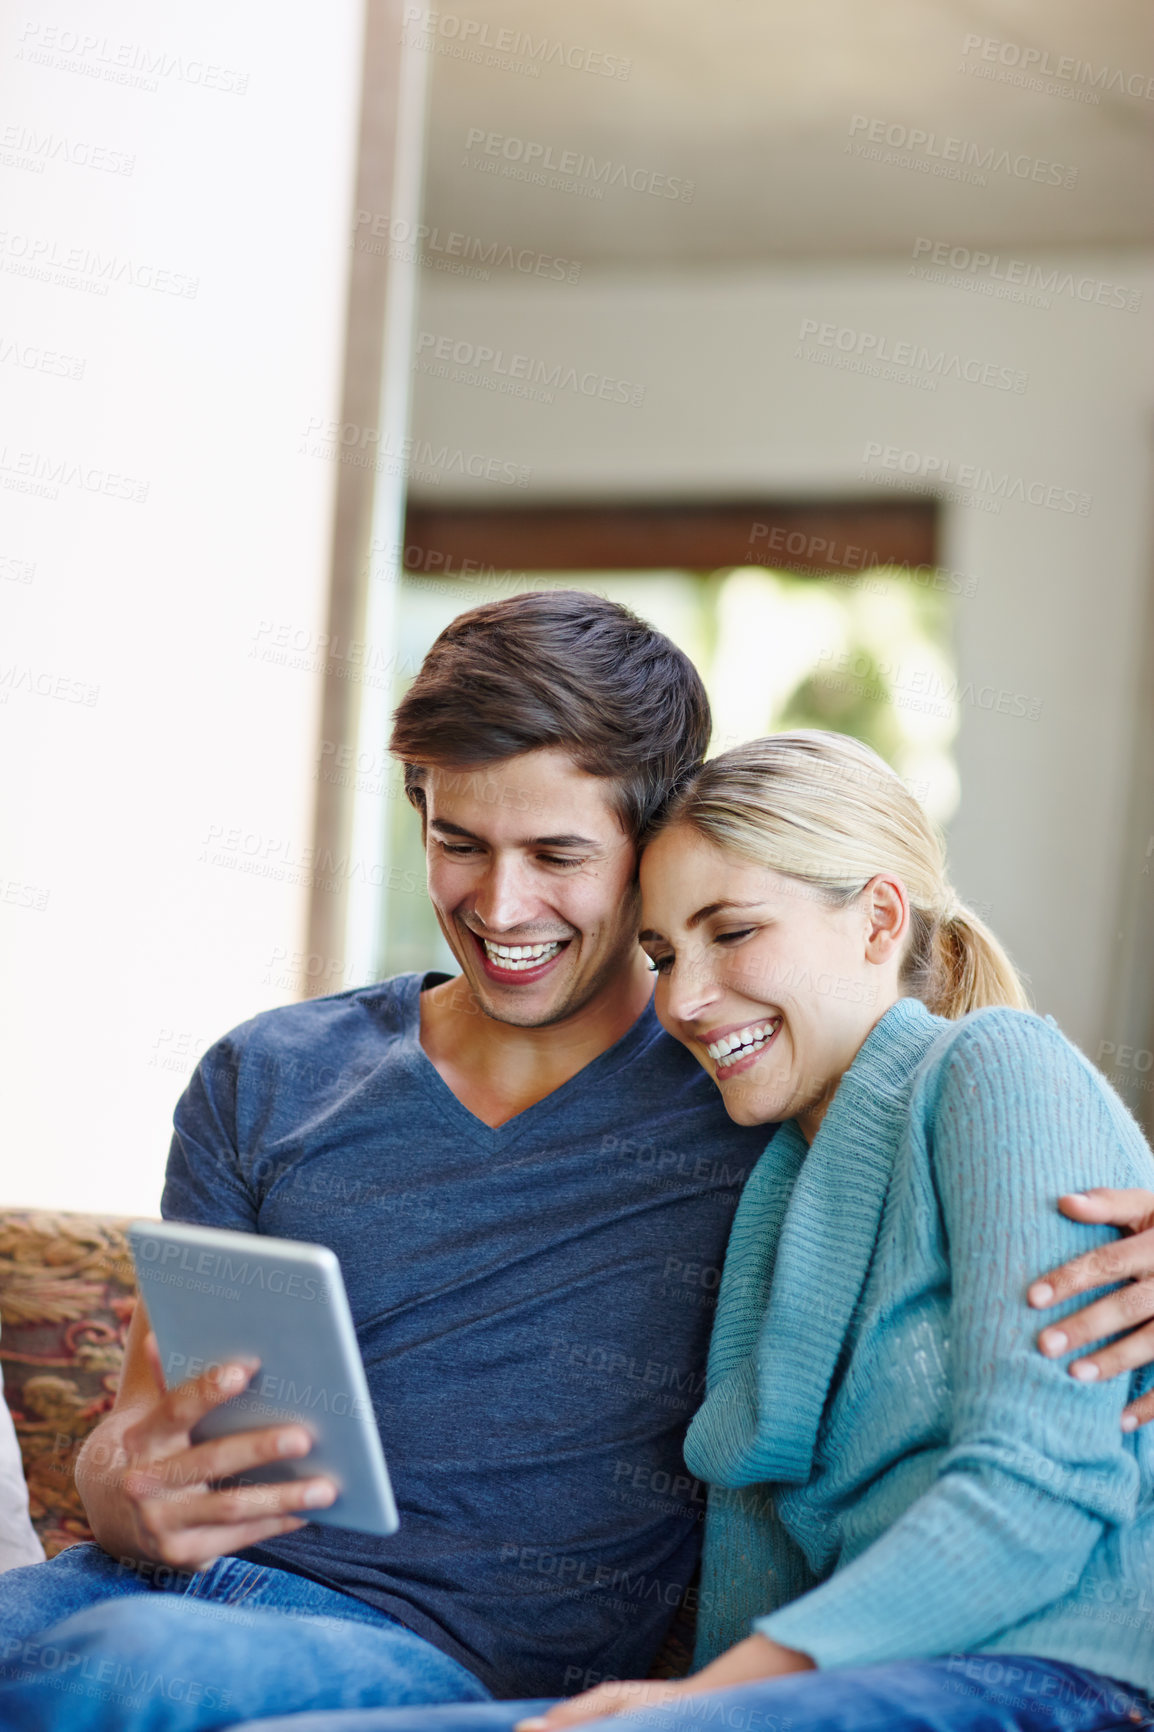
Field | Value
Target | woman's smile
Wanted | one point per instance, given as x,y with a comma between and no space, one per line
735,1050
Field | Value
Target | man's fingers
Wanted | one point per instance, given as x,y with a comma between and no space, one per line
166,1507
221,1457
1113,1208
152,1354
1120,1260
165,1428
1125,1308
1139,1412
196,1548
1132,1350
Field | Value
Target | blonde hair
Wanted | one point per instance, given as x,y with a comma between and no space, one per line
825,810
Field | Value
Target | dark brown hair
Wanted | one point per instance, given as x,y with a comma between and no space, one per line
557,668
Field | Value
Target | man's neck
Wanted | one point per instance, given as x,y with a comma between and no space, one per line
498,1070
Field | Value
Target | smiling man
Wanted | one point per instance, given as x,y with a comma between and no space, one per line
529,1186
544,927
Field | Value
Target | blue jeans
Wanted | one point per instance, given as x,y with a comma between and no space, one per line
965,1693
92,1645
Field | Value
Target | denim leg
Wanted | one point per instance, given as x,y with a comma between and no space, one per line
447,1717
186,1665
38,1595
231,1581
966,1693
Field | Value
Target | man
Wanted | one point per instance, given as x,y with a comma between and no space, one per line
529,1186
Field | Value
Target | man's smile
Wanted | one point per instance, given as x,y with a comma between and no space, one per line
522,963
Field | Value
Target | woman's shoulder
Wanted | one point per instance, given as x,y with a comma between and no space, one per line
1018,1065
998,1037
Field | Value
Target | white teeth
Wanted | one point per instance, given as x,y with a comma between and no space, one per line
747,1040
517,958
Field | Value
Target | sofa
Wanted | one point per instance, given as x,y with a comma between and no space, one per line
67,1293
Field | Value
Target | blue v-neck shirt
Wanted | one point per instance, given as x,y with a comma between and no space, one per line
532,1302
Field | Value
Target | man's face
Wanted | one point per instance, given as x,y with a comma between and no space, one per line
534,884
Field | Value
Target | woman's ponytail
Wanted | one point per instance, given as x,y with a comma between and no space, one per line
959,965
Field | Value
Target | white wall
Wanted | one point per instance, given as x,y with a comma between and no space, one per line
1058,615
130,936
126,945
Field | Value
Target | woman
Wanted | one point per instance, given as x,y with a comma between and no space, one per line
915,1520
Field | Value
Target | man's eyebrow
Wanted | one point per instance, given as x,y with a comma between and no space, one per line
449,829
452,829
649,937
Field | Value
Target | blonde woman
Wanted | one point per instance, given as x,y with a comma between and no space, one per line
916,1520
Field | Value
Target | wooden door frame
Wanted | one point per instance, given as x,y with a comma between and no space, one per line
832,536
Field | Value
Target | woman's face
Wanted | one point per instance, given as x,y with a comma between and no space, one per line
769,986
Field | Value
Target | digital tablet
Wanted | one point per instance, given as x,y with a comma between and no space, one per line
214,1295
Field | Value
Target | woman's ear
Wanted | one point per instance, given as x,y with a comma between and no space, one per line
887,911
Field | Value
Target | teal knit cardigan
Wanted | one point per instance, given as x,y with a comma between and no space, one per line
895,1471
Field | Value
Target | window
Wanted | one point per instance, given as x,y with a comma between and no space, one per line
862,647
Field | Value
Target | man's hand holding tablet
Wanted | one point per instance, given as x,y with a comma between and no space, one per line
245,1329
151,1492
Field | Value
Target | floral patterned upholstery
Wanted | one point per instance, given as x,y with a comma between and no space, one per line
67,1292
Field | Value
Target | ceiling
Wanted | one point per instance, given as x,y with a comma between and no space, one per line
754,101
